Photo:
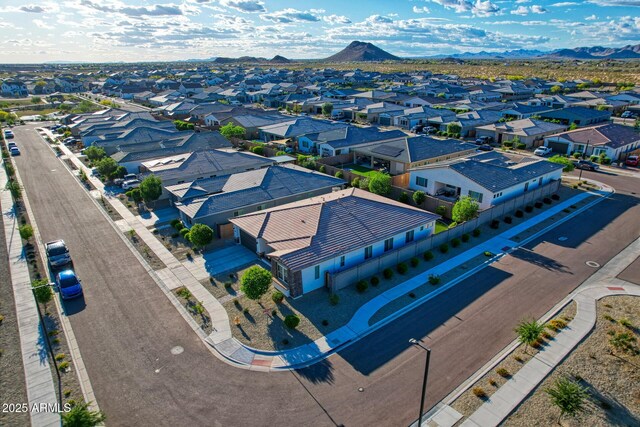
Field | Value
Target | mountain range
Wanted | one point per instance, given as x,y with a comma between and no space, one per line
361,51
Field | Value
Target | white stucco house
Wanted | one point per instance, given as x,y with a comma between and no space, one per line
489,178
308,239
612,140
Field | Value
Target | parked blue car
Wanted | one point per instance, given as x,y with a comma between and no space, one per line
68,284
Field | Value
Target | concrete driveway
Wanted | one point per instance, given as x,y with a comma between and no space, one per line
159,217
228,258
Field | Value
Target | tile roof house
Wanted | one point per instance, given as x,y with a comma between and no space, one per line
489,178
405,153
529,131
612,140
202,164
309,239
213,201
581,116
344,139
296,128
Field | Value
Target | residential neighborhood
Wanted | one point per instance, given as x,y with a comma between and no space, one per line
198,234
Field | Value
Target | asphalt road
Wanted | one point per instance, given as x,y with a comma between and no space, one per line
128,327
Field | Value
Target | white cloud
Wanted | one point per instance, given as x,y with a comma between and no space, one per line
336,19
623,3
538,9
564,4
477,8
422,9
245,6
290,15
41,24
591,18
520,10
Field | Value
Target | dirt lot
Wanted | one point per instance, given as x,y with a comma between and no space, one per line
611,377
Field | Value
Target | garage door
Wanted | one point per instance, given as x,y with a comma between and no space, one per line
226,231
248,241
559,147
385,121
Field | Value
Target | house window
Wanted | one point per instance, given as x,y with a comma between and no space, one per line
342,261
408,237
316,272
495,196
421,182
422,228
476,196
368,252
526,186
281,273
388,244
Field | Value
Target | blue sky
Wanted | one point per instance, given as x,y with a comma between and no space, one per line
136,30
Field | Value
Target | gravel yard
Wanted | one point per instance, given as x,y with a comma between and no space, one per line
468,402
143,249
611,377
197,311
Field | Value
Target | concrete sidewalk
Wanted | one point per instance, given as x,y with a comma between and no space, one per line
39,379
509,396
238,354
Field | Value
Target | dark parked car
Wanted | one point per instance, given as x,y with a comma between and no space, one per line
485,147
484,140
586,165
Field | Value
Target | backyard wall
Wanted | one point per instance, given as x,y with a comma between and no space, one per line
365,270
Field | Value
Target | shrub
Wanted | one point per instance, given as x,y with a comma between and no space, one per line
479,392
178,226
291,321
528,208
183,293
255,282
60,356
452,225
521,146
494,224
414,262
374,280
387,273
339,174
626,323
493,382
555,196
455,242
444,248
428,256
517,358
488,254
507,144
334,299
259,150
26,231
434,279
547,201
465,237
362,286
184,231
355,183
538,205
174,223
403,197
441,210
322,169
200,235
503,372
577,155
519,214
402,268
476,232
63,365
277,297
364,184
508,220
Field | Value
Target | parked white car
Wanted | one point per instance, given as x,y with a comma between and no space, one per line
542,151
132,183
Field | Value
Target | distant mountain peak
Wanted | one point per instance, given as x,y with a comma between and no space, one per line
279,59
598,52
358,51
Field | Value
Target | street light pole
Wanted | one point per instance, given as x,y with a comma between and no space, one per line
424,380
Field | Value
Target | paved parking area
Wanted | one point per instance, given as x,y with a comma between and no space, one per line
220,260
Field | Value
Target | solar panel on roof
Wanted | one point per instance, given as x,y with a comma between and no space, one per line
387,150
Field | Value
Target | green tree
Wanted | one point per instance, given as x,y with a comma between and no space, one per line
94,153
42,292
573,126
200,235
403,198
556,89
297,109
454,128
120,172
255,282
569,396
567,163
380,184
26,232
135,195
327,109
84,107
14,188
36,100
81,416
465,209
151,188
182,125
107,167
419,197
529,332
230,131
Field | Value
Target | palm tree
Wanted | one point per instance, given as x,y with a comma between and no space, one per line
569,396
529,332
